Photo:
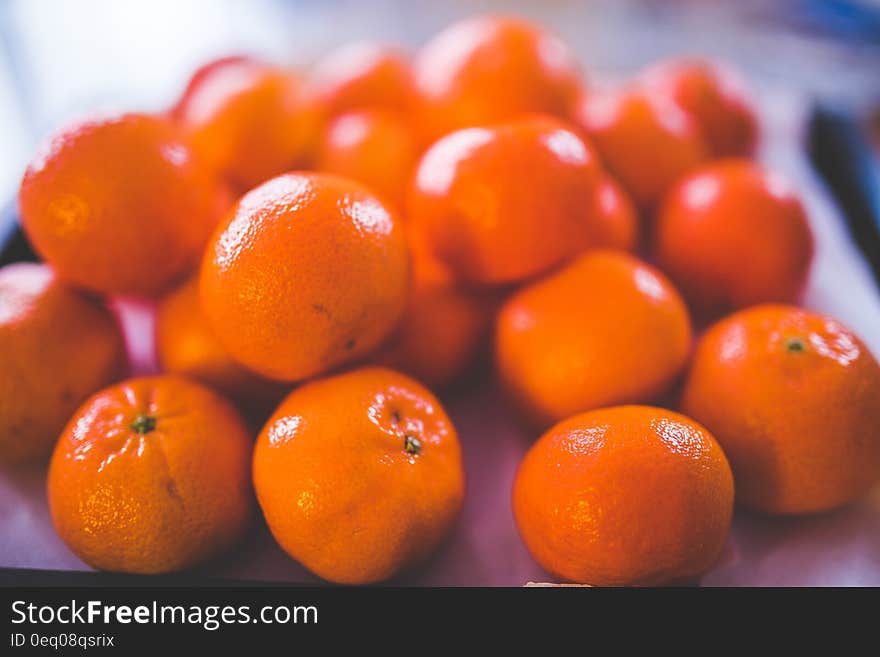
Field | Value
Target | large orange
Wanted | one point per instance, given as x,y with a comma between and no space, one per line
186,345
504,203
359,475
308,272
645,139
119,204
488,69
375,147
57,347
717,98
606,329
248,120
733,234
151,476
794,399
628,495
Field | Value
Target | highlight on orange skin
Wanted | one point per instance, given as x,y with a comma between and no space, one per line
505,203
792,396
614,222
248,120
734,234
625,496
646,141
488,69
375,147
362,75
605,329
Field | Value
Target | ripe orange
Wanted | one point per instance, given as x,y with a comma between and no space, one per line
119,205
614,221
362,75
606,329
151,476
488,69
733,234
716,97
794,399
308,272
629,495
375,147
249,121
501,204
359,475
186,345
646,140
57,347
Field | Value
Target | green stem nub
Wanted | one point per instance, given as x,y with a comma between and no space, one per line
144,424
795,345
412,445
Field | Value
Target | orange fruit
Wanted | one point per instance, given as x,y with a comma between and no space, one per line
717,98
119,205
151,476
359,475
629,495
733,234
794,399
501,204
646,141
307,272
362,75
248,121
186,345
57,347
204,73
375,147
606,329
614,221
489,69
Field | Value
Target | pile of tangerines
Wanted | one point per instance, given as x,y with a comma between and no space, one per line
390,212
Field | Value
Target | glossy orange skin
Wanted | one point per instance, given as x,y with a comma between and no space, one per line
489,69
249,121
362,75
606,329
794,399
57,347
186,345
625,496
502,204
155,501
614,222
204,73
644,139
733,234
375,147
119,205
338,488
308,272
716,97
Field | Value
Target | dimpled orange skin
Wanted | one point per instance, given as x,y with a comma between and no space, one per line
151,476
57,347
502,204
249,121
717,99
794,399
375,147
614,222
308,272
362,75
119,205
625,496
488,69
644,139
733,234
606,329
359,475
186,345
